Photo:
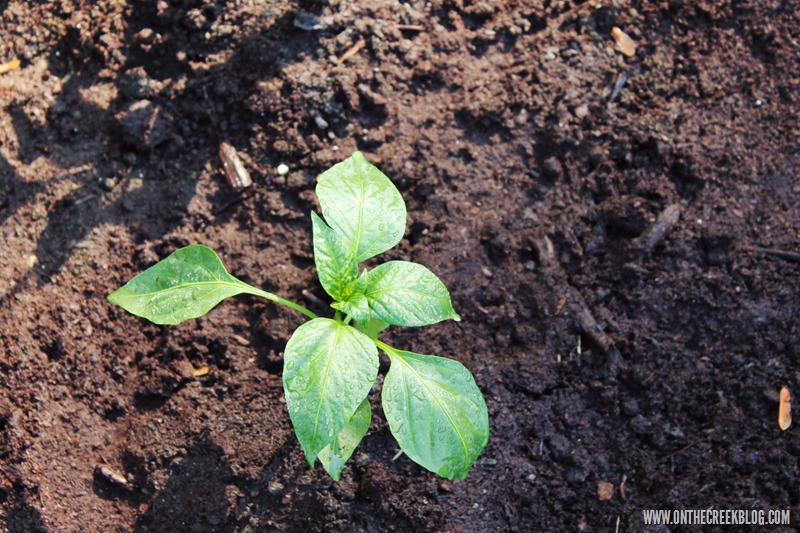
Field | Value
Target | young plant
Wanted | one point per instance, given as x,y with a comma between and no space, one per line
432,404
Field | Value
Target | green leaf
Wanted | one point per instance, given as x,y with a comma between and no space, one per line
361,204
337,270
435,411
407,294
372,327
355,306
328,370
335,455
185,285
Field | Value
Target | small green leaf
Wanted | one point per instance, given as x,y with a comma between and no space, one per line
407,294
361,204
435,411
335,455
337,270
185,285
355,306
328,370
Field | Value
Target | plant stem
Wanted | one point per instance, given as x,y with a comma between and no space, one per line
390,350
283,301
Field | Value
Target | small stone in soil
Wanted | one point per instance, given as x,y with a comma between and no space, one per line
552,168
561,448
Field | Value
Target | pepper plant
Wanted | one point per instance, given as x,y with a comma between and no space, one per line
432,404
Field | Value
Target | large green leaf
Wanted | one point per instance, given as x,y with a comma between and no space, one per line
335,455
328,370
435,411
361,204
185,285
336,268
407,294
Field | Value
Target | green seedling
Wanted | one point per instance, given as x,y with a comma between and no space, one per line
432,404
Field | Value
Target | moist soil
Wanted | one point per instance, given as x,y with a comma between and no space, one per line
619,234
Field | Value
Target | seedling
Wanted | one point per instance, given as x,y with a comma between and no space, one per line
432,404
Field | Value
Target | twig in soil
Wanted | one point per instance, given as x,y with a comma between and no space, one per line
312,299
353,51
237,175
79,201
11,65
480,308
241,340
409,27
113,477
618,85
589,327
783,254
656,233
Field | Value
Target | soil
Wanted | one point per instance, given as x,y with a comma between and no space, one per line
619,235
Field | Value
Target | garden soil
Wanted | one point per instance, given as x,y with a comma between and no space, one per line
620,235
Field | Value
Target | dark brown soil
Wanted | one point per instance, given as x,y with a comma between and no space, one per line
612,346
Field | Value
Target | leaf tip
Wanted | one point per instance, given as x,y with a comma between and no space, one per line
310,460
118,298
